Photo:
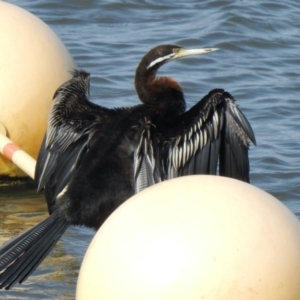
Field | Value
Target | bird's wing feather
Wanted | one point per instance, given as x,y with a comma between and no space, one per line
213,133
234,161
144,168
20,256
70,125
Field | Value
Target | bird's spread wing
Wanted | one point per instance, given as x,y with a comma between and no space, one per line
237,133
212,133
70,124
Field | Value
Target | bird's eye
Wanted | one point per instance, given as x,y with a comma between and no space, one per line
176,50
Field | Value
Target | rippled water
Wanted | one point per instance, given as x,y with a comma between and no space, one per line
258,63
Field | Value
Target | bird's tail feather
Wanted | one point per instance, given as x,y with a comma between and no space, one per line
21,256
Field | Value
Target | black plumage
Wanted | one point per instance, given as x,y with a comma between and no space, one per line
92,158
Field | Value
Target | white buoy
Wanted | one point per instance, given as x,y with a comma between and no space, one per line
34,63
193,238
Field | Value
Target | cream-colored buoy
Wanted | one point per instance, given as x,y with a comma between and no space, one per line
34,63
195,237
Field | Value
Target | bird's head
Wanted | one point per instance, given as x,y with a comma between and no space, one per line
162,54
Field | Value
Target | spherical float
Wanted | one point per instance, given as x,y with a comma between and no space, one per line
195,237
34,63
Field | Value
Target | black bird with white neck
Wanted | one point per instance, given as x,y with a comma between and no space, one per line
92,158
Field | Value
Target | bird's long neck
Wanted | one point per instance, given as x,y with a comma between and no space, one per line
162,94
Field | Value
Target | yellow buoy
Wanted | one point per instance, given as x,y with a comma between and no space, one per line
193,238
34,63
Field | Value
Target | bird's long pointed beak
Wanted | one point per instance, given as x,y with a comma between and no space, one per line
179,52
182,52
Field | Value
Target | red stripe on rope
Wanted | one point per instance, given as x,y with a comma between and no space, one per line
9,150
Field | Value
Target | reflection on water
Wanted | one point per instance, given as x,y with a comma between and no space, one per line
20,208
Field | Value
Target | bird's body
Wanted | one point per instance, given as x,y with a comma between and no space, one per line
93,158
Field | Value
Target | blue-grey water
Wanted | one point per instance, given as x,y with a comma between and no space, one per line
258,62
